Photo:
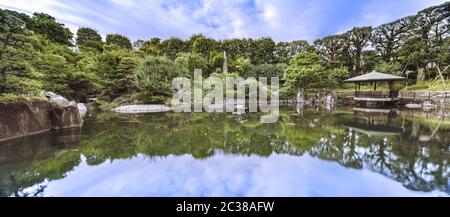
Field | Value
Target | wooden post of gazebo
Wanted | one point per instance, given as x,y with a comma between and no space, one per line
381,96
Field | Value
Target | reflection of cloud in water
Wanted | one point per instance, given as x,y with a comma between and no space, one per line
224,175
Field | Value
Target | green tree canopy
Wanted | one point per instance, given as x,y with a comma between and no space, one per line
85,35
119,40
47,25
305,71
188,62
153,75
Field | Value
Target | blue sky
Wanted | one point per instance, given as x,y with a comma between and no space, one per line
283,20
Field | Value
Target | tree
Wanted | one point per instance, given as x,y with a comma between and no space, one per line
138,44
172,46
370,58
357,40
85,35
47,25
414,54
338,75
204,46
124,73
284,51
96,45
388,38
263,51
333,50
305,71
427,34
13,37
243,66
237,47
188,62
216,61
119,40
267,70
390,68
56,72
153,75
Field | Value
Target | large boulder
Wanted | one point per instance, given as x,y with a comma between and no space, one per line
26,118
62,102
65,117
58,99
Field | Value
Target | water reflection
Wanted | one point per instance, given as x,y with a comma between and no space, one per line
310,151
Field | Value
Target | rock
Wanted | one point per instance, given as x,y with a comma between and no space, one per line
330,99
65,117
428,105
26,118
60,101
413,106
424,138
142,109
300,97
82,109
57,99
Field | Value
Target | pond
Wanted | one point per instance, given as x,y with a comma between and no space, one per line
308,152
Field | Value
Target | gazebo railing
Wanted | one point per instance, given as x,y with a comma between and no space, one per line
377,94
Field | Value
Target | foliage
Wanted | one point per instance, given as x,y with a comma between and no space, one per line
105,105
47,25
188,62
153,75
36,55
119,40
243,66
267,70
8,97
429,86
305,71
85,35
390,68
338,75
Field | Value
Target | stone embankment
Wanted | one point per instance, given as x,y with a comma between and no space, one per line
26,118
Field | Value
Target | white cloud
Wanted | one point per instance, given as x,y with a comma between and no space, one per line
378,12
282,20
223,175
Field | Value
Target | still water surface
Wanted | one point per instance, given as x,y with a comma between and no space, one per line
308,152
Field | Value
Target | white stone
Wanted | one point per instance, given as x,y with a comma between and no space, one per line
82,109
132,109
58,99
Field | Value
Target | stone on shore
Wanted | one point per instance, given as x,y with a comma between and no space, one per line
132,109
82,109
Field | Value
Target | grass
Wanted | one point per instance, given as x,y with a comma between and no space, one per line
430,86
8,97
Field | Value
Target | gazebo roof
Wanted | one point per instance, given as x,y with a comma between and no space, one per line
375,76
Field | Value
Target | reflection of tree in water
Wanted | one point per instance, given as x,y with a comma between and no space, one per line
418,165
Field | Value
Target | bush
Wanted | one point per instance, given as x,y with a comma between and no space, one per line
153,75
8,97
105,105
148,99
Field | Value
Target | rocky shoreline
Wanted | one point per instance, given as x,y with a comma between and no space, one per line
19,119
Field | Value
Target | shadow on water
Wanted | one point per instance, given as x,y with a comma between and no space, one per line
412,148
